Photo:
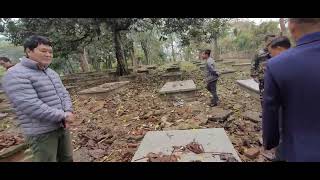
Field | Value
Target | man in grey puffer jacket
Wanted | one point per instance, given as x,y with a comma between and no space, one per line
211,77
41,102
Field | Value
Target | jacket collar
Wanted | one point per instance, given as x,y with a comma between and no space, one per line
32,64
309,38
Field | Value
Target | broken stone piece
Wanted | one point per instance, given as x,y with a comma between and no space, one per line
252,153
252,116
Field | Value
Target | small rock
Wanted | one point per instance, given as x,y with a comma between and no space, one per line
219,114
252,116
164,118
237,106
157,113
150,113
97,153
202,118
132,145
252,153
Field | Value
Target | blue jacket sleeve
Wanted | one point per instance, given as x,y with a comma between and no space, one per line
270,117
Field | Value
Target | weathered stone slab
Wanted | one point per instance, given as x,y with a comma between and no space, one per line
143,71
228,62
250,86
151,67
173,69
242,64
227,71
178,86
104,89
172,76
214,141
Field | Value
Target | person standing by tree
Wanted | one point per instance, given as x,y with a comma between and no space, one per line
42,103
6,63
211,76
291,83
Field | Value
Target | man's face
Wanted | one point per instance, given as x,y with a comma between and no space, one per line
42,54
204,56
275,51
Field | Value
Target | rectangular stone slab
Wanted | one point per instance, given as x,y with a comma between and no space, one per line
242,64
227,71
104,88
227,62
178,86
173,69
212,140
250,86
172,74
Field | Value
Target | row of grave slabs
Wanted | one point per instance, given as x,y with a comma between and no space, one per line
205,145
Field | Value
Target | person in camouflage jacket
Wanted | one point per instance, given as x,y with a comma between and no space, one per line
258,64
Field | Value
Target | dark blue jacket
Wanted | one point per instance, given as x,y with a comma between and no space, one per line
292,81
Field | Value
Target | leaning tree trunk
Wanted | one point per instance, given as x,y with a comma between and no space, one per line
121,69
84,61
216,49
282,27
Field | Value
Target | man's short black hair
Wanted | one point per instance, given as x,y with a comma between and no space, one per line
207,51
305,20
281,41
34,41
5,59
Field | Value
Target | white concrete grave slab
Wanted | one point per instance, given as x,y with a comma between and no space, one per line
250,86
215,141
178,86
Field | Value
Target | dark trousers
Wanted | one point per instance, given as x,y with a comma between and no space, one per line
279,150
278,153
212,88
261,89
53,146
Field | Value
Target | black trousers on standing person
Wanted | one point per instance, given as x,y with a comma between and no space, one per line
278,154
212,88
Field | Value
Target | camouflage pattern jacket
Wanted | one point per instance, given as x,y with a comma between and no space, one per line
258,64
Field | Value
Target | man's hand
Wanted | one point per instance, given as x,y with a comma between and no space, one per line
69,118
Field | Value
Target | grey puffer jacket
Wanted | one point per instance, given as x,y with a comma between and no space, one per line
38,97
210,70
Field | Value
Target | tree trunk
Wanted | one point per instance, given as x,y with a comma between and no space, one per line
216,49
172,50
282,27
145,51
121,69
70,65
84,61
132,56
109,62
